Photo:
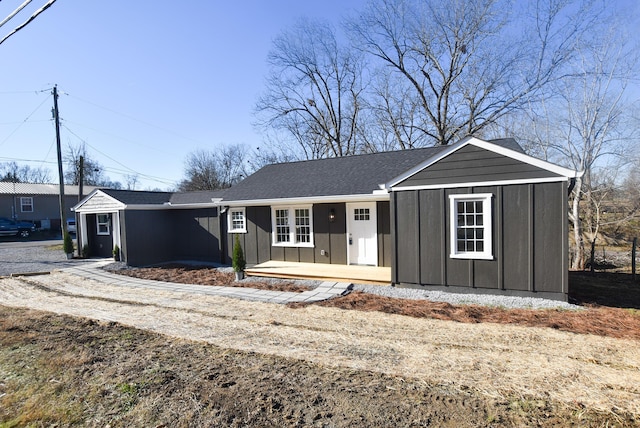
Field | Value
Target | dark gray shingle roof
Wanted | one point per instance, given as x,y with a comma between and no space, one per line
198,197
352,175
137,197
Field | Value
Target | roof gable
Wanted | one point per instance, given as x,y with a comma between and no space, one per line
473,161
97,201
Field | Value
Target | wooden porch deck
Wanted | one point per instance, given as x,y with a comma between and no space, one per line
321,271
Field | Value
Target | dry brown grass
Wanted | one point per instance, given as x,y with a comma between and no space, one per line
129,377
512,364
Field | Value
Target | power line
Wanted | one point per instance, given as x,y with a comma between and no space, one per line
24,121
137,120
15,12
31,18
126,168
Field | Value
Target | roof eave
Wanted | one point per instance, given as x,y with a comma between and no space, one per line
377,195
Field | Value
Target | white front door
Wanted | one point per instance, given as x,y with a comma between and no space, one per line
362,240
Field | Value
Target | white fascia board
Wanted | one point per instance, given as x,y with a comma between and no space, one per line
147,207
522,157
188,206
481,184
376,196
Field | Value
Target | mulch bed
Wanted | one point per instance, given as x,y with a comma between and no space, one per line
208,276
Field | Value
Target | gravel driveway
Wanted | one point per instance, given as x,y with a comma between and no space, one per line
32,256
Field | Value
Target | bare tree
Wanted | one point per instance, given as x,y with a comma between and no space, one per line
213,170
465,65
14,173
390,116
313,91
92,171
132,181
587,126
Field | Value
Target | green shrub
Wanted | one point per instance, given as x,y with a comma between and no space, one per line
67,244
238,262
116,253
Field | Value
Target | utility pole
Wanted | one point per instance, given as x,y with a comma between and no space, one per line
81,178
56,117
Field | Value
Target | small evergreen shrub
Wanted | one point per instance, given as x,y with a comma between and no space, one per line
67,244
237,261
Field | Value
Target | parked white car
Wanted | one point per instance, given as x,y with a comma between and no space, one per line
71,225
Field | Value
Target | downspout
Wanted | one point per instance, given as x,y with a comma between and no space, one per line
223,239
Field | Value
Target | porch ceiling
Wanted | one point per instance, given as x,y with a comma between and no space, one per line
321,271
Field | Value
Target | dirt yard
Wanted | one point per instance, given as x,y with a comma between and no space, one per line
260,364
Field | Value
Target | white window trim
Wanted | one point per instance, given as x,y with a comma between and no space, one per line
292,226
487,212
22,204
108,224
230,227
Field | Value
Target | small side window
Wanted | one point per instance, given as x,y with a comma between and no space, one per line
237,221
26,204
104,224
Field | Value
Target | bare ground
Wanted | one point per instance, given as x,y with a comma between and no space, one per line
312,365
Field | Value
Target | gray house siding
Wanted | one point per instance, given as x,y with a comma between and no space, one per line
474,164
330,237
384,233
45,207
158,236
146,237
196,234
528,257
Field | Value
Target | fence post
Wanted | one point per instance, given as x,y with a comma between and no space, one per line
633,258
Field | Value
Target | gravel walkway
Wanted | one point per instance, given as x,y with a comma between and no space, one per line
466,299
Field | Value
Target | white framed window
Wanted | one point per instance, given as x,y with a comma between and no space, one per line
26,204
471,221
104,224
361,214
237,220
293,226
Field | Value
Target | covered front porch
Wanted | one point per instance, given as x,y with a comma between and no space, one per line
321,271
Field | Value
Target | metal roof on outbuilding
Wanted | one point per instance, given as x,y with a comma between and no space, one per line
10,188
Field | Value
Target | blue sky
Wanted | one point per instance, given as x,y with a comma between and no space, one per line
143,83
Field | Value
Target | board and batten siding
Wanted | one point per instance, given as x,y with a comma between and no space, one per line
330,238
529,241
157,236
474,164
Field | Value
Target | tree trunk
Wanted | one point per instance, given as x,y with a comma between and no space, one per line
578,251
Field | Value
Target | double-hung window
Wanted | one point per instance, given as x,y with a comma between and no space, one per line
471,226
237,220
104,224
292,226
26,204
